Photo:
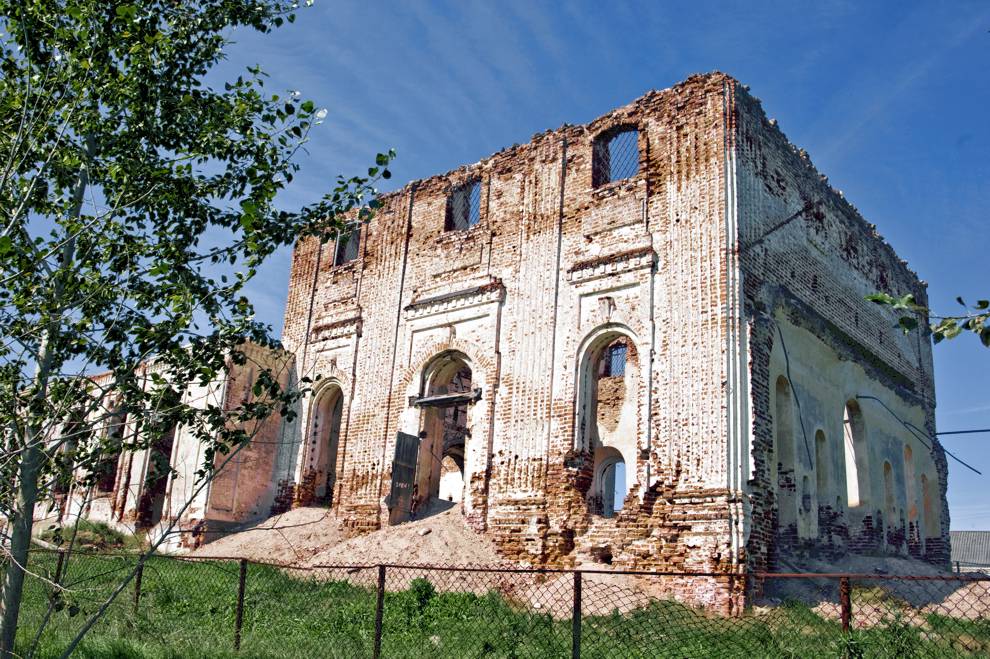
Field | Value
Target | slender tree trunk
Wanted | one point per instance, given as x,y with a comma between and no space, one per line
33,455
20,537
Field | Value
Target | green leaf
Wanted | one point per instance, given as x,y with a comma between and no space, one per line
308,106
6,245
881,298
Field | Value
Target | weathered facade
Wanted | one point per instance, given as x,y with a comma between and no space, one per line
761,405
641,341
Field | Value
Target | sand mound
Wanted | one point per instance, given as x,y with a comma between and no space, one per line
289,538
443,538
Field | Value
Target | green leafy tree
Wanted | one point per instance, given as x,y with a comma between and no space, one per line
136,202
975,319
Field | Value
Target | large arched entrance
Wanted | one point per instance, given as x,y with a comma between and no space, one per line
324,438
444,430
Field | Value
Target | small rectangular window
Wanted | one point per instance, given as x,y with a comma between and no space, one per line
347,244
615,156
464,207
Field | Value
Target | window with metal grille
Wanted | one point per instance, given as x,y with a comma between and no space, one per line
347,244
464,207
614,360
615,156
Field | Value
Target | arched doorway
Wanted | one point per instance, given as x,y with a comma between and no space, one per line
328,412
609,485
444,430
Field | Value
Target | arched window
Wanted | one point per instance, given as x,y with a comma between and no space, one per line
607,419
615,156
856,456
609,386
822,469
785,475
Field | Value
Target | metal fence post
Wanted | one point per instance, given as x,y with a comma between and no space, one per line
239,620
138,573
576,618
845,603
379,610
59,566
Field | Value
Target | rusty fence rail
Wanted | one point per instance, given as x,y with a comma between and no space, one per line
181,606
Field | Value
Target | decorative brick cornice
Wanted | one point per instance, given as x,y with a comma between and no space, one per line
337,329
463,299
611,264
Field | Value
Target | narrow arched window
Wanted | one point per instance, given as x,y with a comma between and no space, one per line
784,473
856,456
615,156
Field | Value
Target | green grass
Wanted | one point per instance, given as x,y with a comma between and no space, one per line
93,537
187,610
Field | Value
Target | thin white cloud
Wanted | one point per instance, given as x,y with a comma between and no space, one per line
910,74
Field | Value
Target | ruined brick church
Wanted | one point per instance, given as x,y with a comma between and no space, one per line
642,340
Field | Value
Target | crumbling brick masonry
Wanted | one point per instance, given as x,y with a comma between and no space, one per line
641,341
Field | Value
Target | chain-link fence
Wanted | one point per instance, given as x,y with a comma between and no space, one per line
182,607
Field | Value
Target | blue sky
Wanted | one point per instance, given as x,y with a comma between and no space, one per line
890,99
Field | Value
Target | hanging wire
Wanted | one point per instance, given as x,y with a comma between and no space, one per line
790,380
914,430
917,432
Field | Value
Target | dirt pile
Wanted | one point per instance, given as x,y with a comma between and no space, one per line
443,538
290,538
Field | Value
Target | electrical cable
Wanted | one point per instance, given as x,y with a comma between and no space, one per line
914,430
962,432
917,432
